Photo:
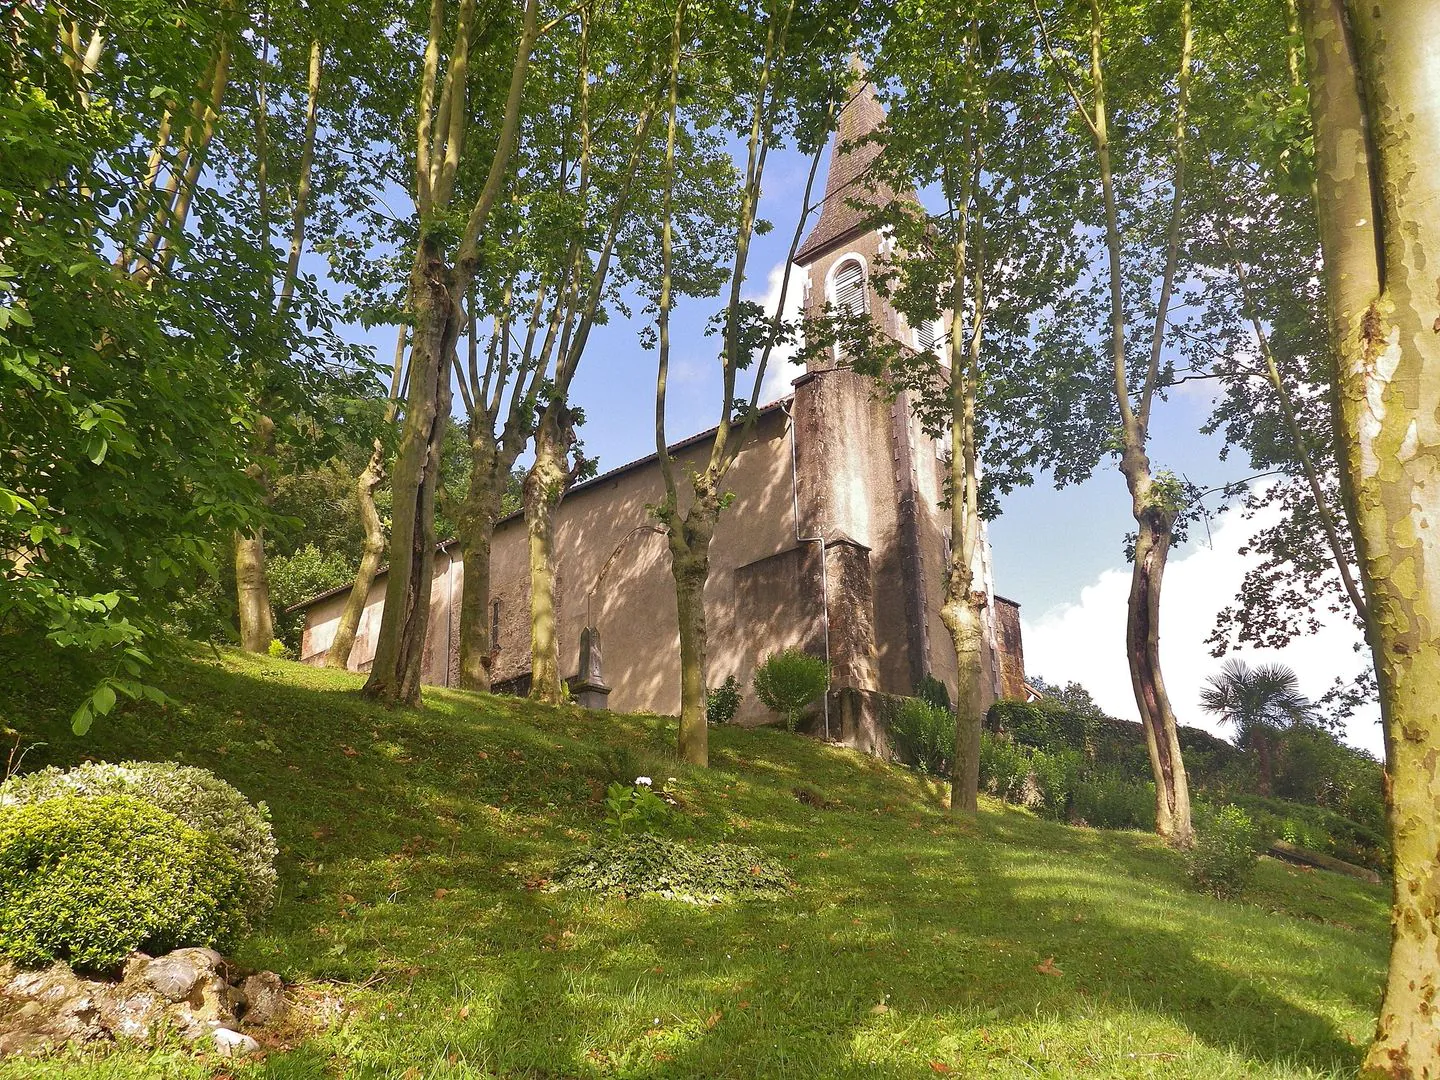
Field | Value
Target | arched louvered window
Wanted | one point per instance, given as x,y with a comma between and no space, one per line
927,335
850,288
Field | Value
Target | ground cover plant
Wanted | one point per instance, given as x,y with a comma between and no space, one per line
418,848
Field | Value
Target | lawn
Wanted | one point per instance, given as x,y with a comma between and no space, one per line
416,843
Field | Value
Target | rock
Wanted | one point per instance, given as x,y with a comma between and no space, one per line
174,976
131,1013
55,984
234,1043
264,998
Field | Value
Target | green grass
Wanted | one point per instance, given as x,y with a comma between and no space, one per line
413,842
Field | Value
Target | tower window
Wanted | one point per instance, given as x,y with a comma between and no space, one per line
850,288
495,625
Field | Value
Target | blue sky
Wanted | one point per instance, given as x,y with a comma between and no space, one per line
1058,553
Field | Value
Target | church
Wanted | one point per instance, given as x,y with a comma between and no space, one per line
836,541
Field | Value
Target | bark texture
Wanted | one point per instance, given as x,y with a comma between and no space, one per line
478,515
545,486
1142,641
395,673
1377,140
252,588
372,551
690,566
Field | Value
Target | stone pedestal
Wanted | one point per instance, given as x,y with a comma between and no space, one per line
588,688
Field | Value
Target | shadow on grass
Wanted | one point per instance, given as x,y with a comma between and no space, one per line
409,837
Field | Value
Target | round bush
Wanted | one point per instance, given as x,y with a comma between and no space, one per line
90,880
789,680
196,796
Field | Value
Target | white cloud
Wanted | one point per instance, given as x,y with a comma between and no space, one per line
783,368
1085,641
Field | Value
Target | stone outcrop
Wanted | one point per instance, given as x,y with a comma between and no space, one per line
196,993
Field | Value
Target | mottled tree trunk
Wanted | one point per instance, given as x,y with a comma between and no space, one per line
1377,142
478,515
1142,641
544,488
252,591
690,566
962,618
371,552
395,673
252,584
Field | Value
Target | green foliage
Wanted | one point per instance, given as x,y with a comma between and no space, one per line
635,808
789,680
1005,770
298,577
934,692
1226,849
925,734
131,404
1042,780
649,864
90,880
723,702
1108,801
1046,724
196,796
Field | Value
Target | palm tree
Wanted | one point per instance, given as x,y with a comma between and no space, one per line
1259,702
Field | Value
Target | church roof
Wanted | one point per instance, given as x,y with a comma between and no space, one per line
853,151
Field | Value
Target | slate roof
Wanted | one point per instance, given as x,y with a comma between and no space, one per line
850,162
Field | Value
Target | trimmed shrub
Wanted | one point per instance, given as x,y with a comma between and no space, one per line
1226,849
90,880
723,702
789,680
1111,802
196,796
924,735
649,864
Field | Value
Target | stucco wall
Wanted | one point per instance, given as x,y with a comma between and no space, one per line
763,591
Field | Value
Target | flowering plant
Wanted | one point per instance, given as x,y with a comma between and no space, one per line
634,807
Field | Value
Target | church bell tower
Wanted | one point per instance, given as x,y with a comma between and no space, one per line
869,480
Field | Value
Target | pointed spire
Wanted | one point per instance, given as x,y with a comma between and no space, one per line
850,162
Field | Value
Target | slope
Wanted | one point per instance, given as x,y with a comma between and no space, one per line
415,845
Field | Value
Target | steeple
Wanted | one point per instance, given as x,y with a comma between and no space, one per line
850,162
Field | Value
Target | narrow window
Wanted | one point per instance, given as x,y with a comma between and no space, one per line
927,335
850,288
495,625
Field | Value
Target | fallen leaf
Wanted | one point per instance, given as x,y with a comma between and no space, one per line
349,751
1048,967
879,1010
940,1067
713,1019
464,1012
440,894
483,756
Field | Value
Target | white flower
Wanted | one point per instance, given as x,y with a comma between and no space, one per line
643,781
670,780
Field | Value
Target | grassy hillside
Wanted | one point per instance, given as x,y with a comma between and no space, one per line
414,844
